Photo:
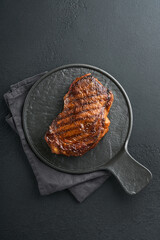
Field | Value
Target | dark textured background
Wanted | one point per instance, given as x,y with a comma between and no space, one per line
121,37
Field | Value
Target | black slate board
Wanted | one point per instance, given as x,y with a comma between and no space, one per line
45,101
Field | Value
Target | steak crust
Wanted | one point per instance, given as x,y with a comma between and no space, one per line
83,121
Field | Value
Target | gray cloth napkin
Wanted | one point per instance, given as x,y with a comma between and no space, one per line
49,180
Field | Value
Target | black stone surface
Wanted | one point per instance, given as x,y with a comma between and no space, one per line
45,101
121,37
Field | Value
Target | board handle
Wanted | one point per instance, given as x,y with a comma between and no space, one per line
132,175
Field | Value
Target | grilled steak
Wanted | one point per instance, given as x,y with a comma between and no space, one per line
83,121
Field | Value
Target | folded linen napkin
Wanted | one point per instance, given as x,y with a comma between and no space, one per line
49,180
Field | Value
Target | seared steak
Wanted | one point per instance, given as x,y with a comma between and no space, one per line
83,121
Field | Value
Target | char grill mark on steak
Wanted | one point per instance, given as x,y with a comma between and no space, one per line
83,121
75,120
78,112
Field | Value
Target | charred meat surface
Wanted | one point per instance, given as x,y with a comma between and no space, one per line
83,121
